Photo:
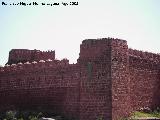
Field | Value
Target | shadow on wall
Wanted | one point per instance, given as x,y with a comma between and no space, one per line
156,94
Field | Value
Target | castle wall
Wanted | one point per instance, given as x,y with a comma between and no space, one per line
145,79
108,81
95,90
120,79
24,55
52,85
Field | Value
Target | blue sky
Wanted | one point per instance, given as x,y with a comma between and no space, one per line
62,28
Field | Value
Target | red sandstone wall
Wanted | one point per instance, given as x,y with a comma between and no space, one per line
24,55
95,90
145,79
52,84
108,81
120,79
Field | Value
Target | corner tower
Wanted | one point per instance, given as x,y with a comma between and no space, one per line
104,80
120,79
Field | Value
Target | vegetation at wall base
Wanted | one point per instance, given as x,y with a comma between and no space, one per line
139,114
28,115
144,114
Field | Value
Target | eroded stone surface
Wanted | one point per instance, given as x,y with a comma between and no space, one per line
108,81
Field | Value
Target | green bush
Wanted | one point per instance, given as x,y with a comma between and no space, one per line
100,118
33,118
31,115
10,115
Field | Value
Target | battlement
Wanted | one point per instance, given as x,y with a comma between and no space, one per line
144,55
107,41
29,66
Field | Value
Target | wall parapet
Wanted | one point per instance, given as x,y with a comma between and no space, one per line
29,66
144,55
